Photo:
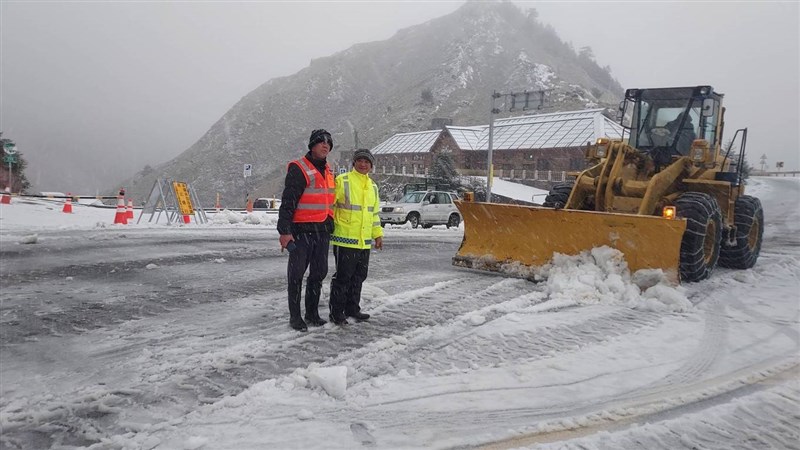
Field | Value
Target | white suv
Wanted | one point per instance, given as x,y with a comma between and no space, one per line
422,208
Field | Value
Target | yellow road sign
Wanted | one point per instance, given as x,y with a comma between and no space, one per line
184,200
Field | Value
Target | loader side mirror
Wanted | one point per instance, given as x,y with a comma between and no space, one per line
709,107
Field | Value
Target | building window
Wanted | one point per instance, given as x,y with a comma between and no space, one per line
542,164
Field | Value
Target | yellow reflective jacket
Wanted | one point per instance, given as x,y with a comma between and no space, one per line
355,211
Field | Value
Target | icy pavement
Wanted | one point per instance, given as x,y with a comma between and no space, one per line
149,336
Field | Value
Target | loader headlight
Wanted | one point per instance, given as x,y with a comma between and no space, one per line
668,212
601,148
700,151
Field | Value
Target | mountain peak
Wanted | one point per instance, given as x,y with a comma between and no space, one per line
447,67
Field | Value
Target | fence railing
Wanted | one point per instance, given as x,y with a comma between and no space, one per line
519,174
788,173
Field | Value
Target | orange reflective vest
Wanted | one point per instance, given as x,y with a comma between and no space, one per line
316,203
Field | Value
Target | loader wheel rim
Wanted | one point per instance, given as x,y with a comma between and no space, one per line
752,236
710,242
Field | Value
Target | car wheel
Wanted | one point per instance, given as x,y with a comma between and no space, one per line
413,218
453,221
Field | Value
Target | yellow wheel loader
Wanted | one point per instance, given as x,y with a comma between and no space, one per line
667,196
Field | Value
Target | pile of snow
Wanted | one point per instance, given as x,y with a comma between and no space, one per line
226,216
601,276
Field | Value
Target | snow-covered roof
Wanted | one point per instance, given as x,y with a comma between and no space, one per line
417,142
467,138
552,130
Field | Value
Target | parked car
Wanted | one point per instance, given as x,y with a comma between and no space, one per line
425,208
266,203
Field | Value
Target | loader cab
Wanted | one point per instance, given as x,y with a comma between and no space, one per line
665,121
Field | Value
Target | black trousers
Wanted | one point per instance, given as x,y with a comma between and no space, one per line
311,251
352,265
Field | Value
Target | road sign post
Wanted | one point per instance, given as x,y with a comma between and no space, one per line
10,158
248,171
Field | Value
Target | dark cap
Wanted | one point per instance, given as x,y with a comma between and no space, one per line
364,153
318,136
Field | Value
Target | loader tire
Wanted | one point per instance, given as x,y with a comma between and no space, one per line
700,246
749,221
559,195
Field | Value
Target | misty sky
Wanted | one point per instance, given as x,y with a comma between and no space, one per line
93,91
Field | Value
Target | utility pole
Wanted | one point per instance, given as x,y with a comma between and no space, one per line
526,102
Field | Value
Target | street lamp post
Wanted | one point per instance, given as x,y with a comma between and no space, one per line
489,166
526,95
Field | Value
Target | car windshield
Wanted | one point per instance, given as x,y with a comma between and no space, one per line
413,197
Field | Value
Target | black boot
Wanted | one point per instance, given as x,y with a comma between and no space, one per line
316,321
359,316
298,324
338,320
313,292
294,307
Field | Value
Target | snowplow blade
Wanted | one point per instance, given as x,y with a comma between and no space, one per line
497,234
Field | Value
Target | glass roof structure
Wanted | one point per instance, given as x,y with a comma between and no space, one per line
552,130
418,142
467,138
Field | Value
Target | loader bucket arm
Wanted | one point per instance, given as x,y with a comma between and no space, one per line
497,234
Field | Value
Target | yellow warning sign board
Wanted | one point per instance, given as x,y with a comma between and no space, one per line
184,200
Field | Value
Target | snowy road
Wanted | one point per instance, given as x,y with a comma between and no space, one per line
177,337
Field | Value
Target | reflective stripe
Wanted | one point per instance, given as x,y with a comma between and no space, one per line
312,190
311,172
347,201
348,207
311,206
344,240
376,224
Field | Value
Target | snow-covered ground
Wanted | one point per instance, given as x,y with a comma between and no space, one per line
177,337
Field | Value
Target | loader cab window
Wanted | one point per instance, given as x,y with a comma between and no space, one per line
666,124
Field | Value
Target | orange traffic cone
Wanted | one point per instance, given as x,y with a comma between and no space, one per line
249,205
122,216
6,199
129,211
217,206
68,204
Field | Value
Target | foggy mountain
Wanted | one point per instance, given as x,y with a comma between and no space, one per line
445,68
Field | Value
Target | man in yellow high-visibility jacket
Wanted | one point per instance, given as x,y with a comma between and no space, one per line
356,227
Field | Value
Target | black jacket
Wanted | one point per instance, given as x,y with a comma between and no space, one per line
294,186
